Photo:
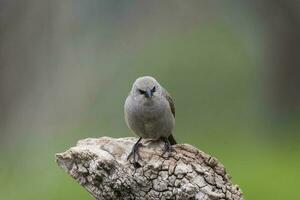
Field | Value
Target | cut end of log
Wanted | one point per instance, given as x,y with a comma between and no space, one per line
100,165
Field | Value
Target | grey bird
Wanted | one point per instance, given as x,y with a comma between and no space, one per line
150,113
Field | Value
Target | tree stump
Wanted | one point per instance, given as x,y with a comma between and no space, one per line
100,165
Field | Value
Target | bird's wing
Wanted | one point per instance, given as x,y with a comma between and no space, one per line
170,100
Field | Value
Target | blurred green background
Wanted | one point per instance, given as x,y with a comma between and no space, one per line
232,67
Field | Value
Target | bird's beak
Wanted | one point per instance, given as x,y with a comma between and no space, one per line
148,93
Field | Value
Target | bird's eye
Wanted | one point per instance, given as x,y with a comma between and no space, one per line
142,91
153,89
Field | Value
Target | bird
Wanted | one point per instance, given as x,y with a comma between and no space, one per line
149,112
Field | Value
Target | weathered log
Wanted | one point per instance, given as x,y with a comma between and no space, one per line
101,167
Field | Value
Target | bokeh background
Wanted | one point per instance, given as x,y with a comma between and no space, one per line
232,67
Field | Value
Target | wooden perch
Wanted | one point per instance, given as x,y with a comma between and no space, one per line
101,167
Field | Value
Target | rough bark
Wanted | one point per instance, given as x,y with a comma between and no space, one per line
101,167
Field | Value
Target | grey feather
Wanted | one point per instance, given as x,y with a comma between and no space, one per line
149,117
170,100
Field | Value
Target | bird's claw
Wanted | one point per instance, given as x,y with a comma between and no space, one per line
168,146
135,154
136,165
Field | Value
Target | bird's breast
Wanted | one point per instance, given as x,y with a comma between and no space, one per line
151,110
150,119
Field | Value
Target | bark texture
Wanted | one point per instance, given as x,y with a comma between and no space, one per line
101,167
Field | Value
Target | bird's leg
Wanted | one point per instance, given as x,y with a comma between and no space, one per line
135,153
168,146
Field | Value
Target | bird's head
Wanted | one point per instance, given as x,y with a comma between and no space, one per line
146,87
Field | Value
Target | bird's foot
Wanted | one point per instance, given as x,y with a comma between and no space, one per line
168,146
135,154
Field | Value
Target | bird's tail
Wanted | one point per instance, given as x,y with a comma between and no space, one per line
172,140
